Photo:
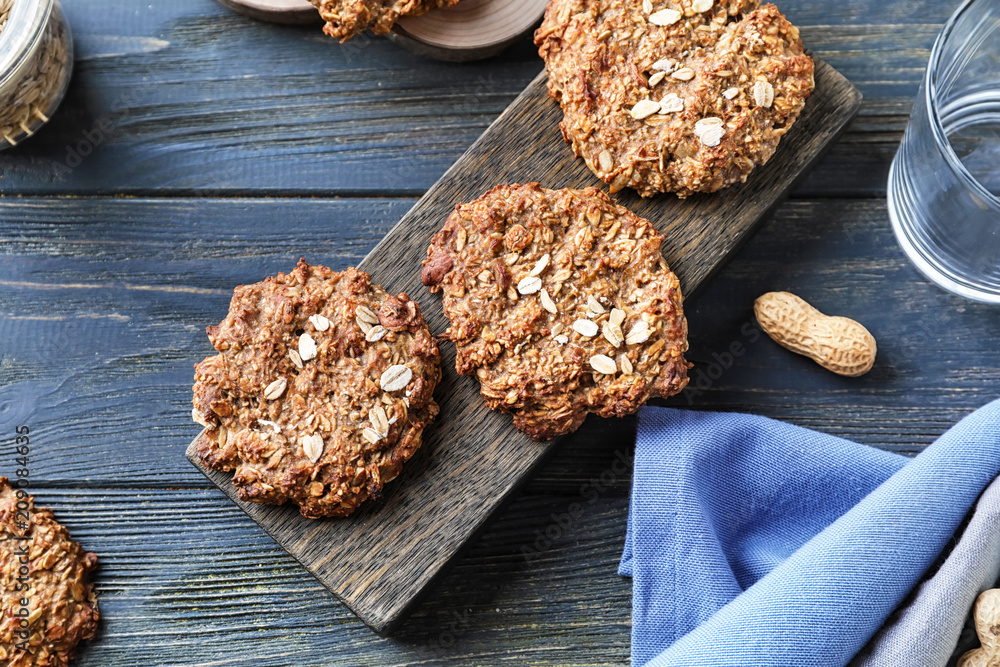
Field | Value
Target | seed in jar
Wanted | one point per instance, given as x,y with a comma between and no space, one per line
585,328
395,378
603,364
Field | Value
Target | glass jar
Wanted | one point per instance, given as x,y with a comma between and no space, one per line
36,60
944,184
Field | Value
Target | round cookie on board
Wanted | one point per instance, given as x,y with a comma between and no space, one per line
471,30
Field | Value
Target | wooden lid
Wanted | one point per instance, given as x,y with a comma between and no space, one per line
471,30
294,12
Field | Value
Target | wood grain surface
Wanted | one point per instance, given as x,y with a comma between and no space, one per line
244,146
382,559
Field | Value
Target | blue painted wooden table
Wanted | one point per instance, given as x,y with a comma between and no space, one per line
197,150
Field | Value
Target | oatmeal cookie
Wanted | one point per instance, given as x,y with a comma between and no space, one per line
676,96
560,303
320,392
346,18
59,598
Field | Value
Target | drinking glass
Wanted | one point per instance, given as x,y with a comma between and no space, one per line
944,185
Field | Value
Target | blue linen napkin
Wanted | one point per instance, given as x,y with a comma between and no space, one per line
752,542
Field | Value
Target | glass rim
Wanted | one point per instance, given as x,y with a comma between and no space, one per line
21,34
937,129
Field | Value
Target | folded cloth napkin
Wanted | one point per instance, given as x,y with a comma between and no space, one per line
923,632
752,542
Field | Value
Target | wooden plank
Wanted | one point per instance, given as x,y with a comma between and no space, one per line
186,110
388,553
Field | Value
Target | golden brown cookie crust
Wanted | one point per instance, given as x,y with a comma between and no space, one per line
62,604
346,18
690,105
560,304
321,390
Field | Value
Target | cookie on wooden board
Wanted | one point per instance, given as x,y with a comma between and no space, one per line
560,303
346,18
47,575
676,96
321,390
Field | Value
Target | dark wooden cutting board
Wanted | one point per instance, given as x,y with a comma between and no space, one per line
381,559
